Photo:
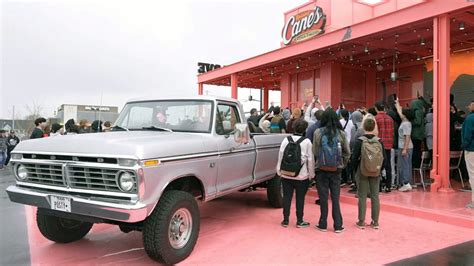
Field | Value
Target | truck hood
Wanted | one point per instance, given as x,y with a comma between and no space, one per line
135,144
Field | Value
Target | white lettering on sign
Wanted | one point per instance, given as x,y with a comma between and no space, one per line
305,23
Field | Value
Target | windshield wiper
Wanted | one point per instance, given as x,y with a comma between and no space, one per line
157,128
120,127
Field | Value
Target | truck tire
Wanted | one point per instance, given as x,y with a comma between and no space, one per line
171,231
61,230
275,192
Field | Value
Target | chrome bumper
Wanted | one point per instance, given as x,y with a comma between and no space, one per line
125,211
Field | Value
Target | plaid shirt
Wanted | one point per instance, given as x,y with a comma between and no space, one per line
385,126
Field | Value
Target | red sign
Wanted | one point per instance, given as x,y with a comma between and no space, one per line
304,25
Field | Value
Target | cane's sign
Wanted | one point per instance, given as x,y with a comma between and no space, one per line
304,25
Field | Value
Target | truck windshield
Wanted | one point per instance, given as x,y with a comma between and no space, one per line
167,115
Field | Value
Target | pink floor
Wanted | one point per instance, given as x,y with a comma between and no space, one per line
242,229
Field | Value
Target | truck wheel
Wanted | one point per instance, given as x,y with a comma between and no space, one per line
171,231
275,192
61,230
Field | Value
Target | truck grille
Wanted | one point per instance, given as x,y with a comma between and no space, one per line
45,174
94,178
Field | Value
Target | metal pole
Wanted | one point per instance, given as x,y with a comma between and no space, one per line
13,118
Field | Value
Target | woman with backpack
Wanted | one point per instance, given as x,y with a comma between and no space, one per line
332,153
296,167
367,160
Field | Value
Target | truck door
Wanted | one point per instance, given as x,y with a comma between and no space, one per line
236,161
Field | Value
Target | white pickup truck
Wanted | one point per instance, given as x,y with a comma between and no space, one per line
162,156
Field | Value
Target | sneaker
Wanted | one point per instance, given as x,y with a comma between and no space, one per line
302,224
360,225
353,190
470,205
322,229
374,225
318,202
343,184
388,190
406,187
284,224
394,187
339,230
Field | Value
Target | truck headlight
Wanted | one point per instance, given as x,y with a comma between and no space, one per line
125,181
21,172
17,156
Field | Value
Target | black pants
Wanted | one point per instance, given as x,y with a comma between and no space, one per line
325,182
416,157
9,153
289,186
388,169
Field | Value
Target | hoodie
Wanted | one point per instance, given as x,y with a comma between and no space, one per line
468,133
286,115
357,130
429,131
418,124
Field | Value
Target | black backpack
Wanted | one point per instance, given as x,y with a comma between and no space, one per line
291,161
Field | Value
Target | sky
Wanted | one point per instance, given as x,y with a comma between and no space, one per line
105,52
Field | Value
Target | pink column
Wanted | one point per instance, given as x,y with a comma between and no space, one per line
233,85
200,88
441,90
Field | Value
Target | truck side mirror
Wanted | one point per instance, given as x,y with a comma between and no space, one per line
242,134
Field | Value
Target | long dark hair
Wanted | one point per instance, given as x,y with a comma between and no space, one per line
330,122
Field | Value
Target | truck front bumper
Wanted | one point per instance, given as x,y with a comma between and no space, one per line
119,210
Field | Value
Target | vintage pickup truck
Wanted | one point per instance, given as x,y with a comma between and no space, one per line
162,156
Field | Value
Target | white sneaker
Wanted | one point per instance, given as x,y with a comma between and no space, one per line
406,187
470,205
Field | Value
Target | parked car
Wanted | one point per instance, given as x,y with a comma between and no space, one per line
162,156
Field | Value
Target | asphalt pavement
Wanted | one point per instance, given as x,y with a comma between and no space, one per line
14,248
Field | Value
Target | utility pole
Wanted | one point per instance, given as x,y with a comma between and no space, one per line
13,118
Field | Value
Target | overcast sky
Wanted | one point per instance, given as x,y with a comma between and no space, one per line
55,52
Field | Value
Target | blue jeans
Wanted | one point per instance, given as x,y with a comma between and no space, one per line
405,167
3,157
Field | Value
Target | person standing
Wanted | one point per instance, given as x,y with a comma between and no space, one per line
278,122
295,116
368,159
12,141
406,148
294,179
385,127
332,153
347,126
56,130
418,129
3,148
38,132
468,147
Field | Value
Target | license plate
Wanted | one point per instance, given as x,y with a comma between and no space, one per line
61,203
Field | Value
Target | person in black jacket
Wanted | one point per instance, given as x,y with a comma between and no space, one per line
12,141
38,132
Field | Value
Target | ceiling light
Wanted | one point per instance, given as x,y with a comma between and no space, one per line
297,66
366,49
418,58
461,26
377,62
422,42
351,58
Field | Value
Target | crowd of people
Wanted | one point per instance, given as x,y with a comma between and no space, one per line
9,140
42,129
392,136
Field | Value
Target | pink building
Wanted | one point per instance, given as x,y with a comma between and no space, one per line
358,51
